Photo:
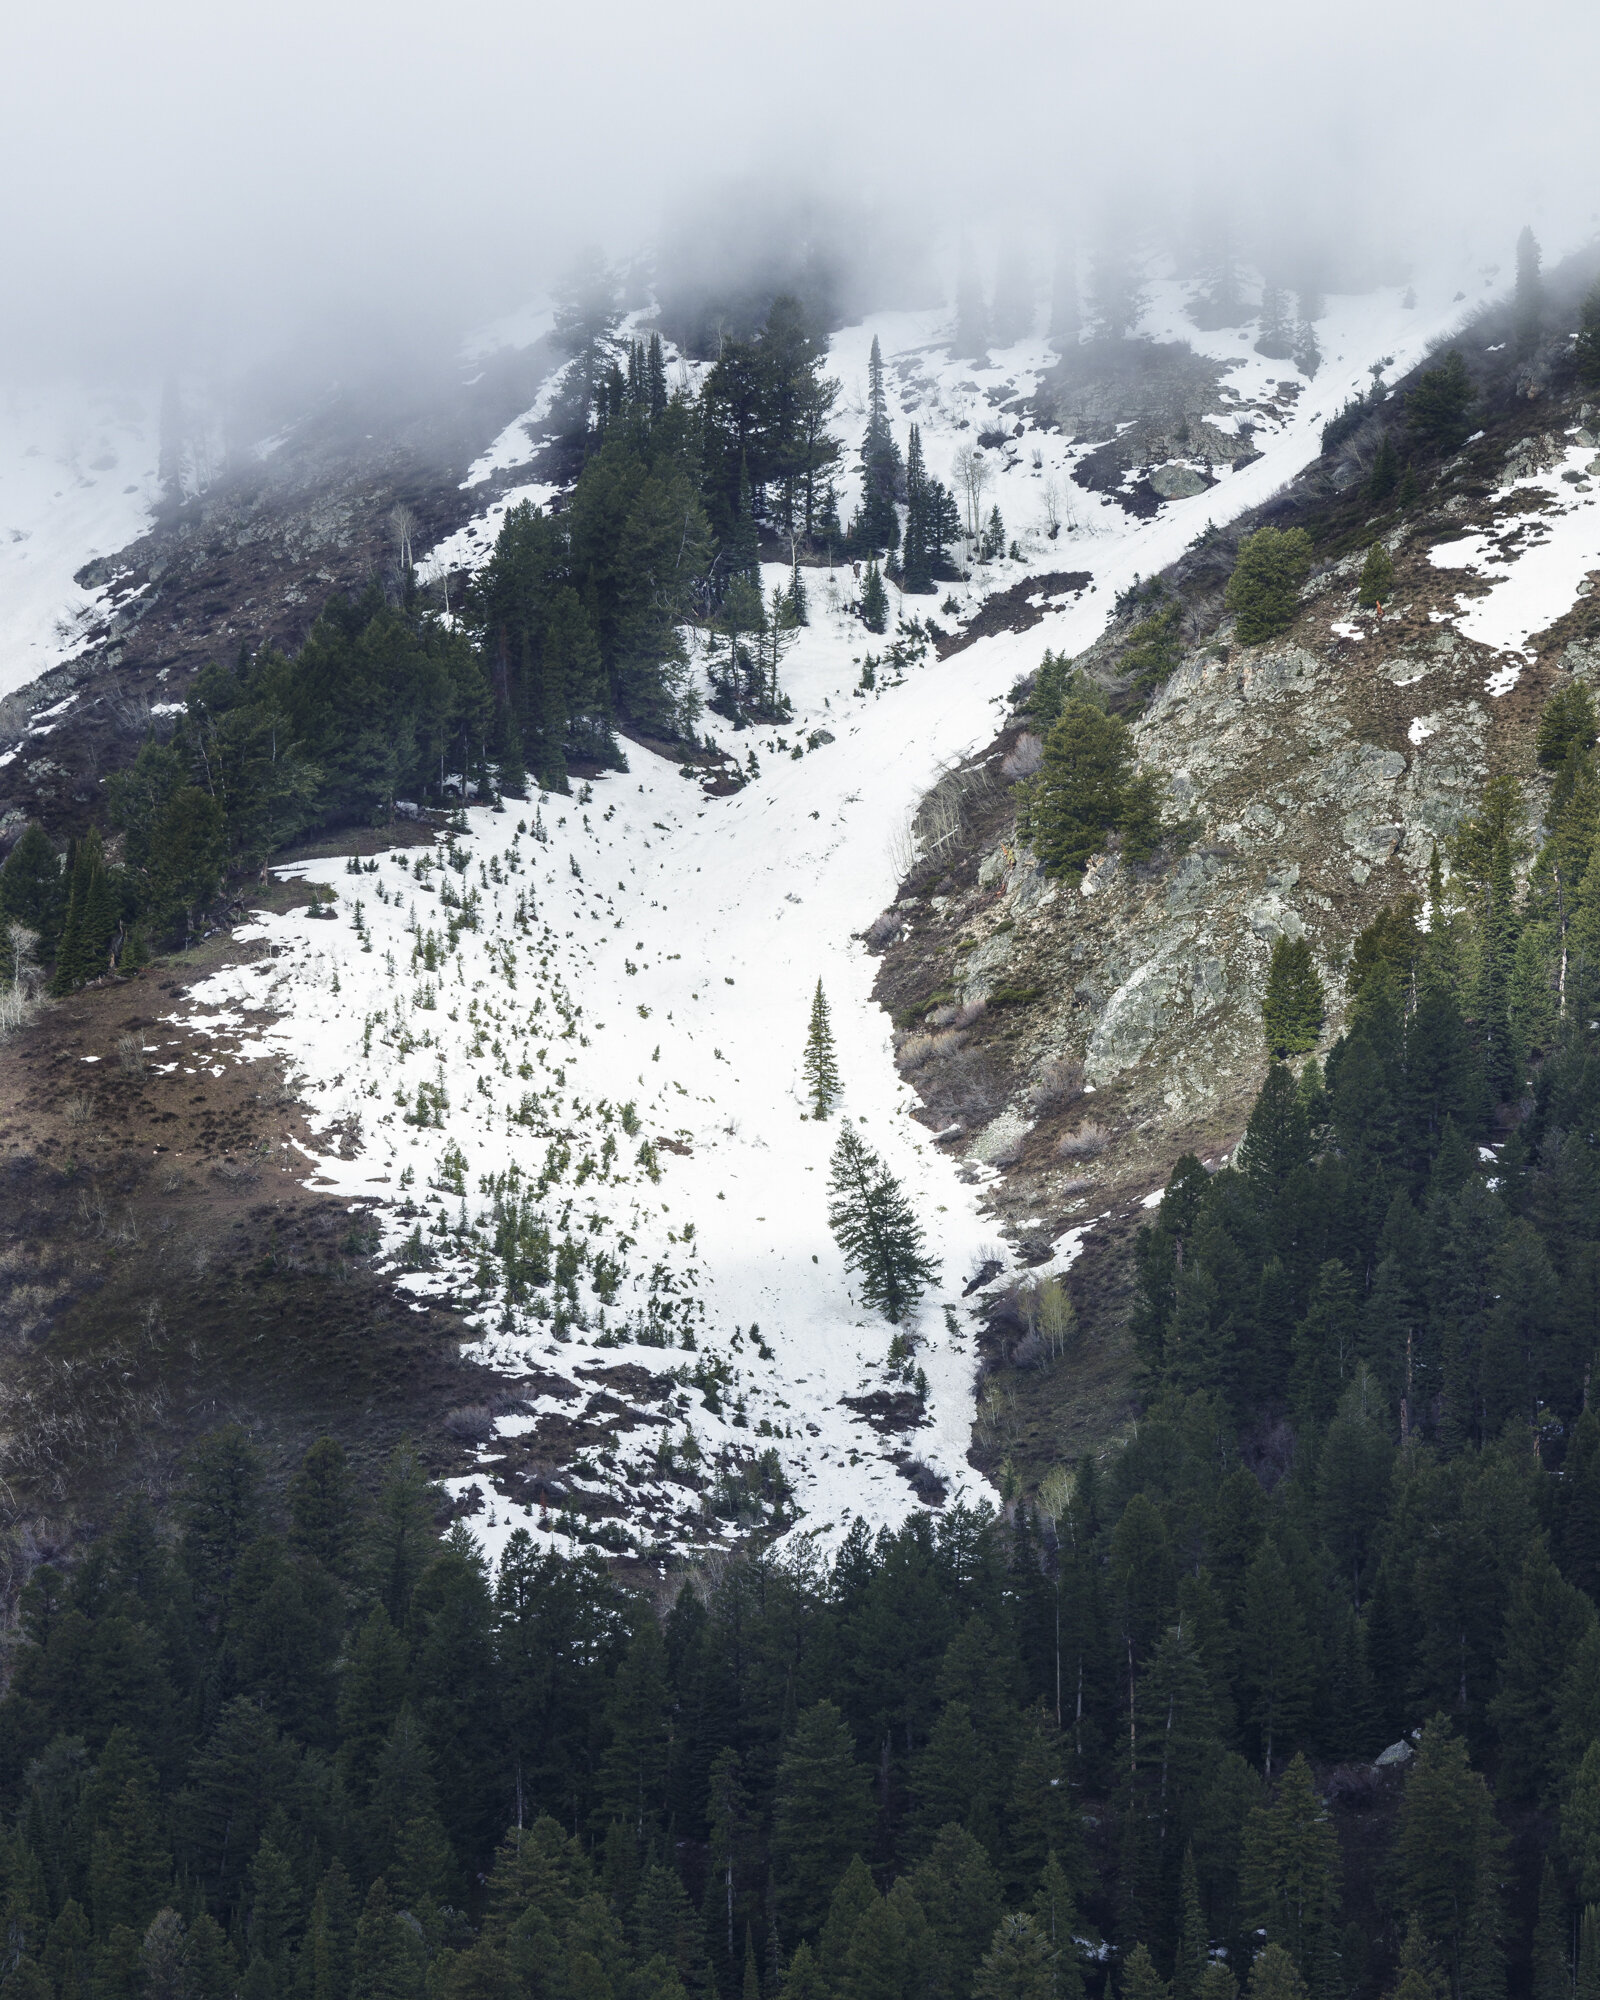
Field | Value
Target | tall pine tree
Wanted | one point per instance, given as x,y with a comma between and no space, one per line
819,1061
877,1230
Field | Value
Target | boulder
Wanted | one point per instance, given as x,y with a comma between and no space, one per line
1177,482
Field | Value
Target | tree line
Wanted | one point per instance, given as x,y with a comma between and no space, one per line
573,631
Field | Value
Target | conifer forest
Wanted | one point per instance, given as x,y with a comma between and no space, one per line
800,1003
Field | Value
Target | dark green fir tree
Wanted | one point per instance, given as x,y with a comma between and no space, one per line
874,598
1377,577
877,526
1294,1006
877,1230
819,1063
1385,474
1264,590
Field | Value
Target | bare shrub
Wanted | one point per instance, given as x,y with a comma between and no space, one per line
20,948
1084,1144
916,1050
472,1423
973,1011
995,1418
277,1084
170,1179
969,1087
1025,757
1051,1313
1007,1152
236,1173
1076,1184
885,927
941,1017
91,1212
1059,1082
938,819
130,1055
403,526
130,712
902,850
987,1261
77,1110
17,1009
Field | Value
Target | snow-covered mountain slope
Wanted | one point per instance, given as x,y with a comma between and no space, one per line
1537,558
572,1036
77,480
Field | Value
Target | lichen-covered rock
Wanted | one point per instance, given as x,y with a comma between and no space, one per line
1177,482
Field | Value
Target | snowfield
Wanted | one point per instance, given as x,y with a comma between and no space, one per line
562,1048
1537,566
77,480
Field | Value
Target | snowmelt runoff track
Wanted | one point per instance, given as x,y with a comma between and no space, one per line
572,1036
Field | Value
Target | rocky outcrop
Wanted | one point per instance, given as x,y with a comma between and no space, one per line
1114,1021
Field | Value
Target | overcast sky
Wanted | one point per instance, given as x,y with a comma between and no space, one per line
203,173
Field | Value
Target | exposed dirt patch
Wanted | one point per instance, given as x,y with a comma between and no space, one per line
889,1414
163,1269
1016,609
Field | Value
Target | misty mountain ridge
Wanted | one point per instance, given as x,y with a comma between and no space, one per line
1104,460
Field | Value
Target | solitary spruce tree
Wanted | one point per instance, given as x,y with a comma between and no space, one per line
873,1224
874,600
1082,786
877,526
1437,407
917,556
1377,576
1277,328
1264,590
1292,1007
819,1064
1385,471
1019,1965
